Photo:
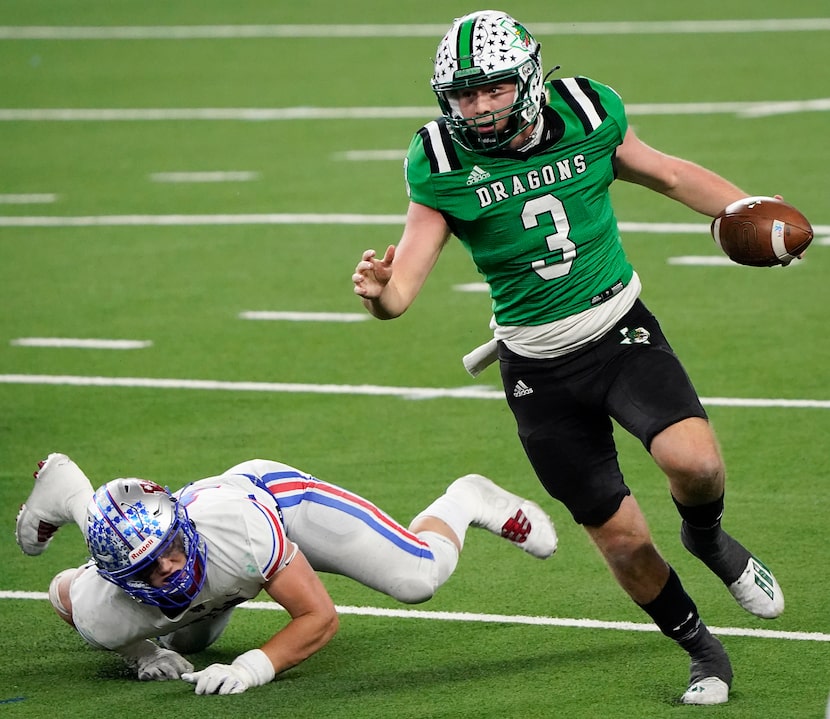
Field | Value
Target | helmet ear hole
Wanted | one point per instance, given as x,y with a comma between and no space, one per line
133,522
483,48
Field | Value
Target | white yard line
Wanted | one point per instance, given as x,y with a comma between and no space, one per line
749,110
220,32
192,220
87,344
704,260
276,316
475,392
41,198
501,619
255,114
658,228
211,176
370,155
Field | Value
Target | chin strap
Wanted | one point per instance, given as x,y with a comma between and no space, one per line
549,73
535,136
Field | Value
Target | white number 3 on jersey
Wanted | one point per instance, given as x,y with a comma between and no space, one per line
563,251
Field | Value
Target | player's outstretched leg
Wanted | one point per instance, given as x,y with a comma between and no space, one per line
522,522
59,497
751,583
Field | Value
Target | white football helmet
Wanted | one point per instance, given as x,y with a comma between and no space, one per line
481,48
130,524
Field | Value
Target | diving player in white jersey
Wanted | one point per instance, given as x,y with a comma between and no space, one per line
172,567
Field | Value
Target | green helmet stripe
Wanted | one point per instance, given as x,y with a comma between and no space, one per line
465,45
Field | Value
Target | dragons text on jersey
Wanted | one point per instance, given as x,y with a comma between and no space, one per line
532,180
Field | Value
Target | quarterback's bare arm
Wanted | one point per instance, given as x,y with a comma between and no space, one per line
695,186
389,285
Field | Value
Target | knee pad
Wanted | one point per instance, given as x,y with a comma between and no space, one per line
420,588
54,593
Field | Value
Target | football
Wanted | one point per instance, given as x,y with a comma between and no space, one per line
761,232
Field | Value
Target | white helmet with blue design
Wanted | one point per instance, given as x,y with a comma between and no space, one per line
481,48
130,524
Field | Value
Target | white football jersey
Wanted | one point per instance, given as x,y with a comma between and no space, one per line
246,545
253,518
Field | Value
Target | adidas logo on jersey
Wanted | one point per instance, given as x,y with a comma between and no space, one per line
477,175
521,389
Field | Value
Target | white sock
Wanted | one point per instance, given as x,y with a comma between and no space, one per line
451,510
446,555
77,508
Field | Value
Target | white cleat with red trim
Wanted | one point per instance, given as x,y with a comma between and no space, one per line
520,521
60,486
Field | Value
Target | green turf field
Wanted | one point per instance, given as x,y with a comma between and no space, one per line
300,101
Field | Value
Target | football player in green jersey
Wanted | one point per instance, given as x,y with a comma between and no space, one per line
519,170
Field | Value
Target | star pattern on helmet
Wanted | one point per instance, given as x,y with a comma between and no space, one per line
113,537
498,43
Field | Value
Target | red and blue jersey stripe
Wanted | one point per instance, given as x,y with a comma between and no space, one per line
291,487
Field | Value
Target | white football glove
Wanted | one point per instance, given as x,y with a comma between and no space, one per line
251,669
153,663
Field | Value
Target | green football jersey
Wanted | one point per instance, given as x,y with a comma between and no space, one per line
539,226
